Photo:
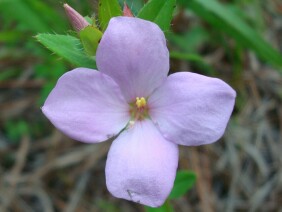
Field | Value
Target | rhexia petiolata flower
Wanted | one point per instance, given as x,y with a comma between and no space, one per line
131,96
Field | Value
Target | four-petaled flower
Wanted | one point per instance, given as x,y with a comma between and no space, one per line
132,95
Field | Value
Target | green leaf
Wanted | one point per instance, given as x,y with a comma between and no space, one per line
10,36
55,21
166,207
67,47
184,181
89,20
193,39
108,9
135,5
90,38
194,58
223,18
16,129
188,57
159,12
33,15
22,12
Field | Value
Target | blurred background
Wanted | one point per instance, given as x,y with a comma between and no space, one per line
235,40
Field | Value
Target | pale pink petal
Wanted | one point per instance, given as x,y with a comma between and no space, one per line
87,106
191,109
141,165
134,53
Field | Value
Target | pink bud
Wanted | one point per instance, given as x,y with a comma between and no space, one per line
77,21
126,11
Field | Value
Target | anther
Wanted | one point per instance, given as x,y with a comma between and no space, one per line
140,102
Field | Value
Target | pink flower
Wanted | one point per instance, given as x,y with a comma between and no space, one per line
132,95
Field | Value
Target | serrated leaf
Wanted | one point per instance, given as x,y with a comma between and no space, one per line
90,38
108,9
91,20
159,12
184,181
223,18
68,47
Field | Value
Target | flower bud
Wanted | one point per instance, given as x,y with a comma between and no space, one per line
126,11
77,21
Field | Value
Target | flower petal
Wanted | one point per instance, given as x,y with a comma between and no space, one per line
191,109
133,52
141,165
87,106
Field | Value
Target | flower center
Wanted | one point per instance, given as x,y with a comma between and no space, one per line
139,109
140,102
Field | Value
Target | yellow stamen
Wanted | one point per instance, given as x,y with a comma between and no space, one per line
140,102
